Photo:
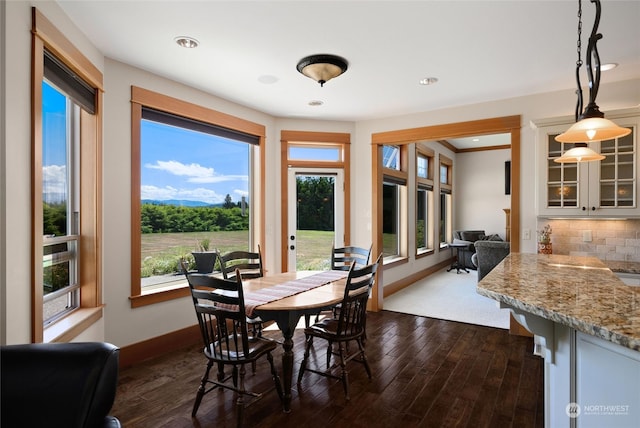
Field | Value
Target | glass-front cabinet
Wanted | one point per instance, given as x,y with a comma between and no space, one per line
600,188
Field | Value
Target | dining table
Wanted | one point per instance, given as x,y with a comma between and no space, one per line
285,298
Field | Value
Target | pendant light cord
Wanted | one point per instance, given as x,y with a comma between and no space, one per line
579,63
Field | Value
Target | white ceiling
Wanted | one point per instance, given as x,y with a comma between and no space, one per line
479,50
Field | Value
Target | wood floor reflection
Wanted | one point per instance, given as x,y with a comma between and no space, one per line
426,373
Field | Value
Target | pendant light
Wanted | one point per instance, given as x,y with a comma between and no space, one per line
590,124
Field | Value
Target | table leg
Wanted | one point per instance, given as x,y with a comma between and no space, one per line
287,370
287,322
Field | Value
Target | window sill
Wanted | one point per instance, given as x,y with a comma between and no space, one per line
394,261
72,325
161,295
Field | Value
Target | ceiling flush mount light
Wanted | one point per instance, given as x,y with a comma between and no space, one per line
186,42
590,124
322,67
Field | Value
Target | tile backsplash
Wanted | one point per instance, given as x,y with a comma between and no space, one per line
617,240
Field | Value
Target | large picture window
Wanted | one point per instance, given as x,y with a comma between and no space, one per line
195,193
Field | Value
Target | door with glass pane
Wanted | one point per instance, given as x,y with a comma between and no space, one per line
316,217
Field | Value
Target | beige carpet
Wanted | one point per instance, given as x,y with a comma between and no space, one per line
449,296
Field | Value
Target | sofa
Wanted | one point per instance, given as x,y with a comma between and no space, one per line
470,237
66,385
488,255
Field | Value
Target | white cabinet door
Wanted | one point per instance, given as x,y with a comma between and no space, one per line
607,384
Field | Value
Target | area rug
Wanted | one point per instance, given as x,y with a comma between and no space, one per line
449,296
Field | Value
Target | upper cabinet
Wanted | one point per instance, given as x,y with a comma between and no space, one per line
606,188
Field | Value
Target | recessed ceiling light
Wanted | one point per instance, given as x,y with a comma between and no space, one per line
608,66
186,42
315,103
267,79
428,81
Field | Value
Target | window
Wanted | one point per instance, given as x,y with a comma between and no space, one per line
194,191
66,212
446,174
394,201
319,152
424,199
60,211
391,157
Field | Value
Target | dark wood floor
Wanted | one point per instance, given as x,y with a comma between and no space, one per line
426,373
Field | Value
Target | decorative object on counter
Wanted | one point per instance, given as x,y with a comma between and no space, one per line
544,240
590,124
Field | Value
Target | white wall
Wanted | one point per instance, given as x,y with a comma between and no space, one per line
123,325
479,191
15,282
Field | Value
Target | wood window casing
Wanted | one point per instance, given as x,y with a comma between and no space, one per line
498,125
46,36
320,139
145,98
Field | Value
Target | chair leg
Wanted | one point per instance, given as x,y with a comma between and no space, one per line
344,373
234,375
240,399
364,357
276,378
303,365
329,353
201,389
220,372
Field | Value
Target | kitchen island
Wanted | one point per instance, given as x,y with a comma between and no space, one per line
586,325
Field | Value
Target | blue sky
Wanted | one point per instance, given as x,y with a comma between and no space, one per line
189,165
54,151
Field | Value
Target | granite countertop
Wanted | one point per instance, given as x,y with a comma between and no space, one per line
623,267
580,292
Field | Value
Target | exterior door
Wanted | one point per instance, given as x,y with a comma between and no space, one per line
316,217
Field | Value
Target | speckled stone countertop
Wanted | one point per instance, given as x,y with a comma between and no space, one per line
580,292
624,267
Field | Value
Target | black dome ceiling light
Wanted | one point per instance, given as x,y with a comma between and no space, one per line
322,67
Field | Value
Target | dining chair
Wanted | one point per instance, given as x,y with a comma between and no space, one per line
249,264
349,325
220,309
341,259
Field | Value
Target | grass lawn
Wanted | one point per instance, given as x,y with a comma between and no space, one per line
161,251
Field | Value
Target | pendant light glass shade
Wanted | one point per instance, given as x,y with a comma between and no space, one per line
579,153
592,129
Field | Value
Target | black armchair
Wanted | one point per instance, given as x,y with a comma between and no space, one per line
66,385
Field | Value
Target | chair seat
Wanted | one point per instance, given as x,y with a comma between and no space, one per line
258,346
327,328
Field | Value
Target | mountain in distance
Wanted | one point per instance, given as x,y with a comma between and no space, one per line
180,203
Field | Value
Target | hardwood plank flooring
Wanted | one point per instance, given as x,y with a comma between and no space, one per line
426,373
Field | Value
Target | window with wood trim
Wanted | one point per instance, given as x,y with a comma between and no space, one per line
446,201
394,201
66,148
192,184
424,199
